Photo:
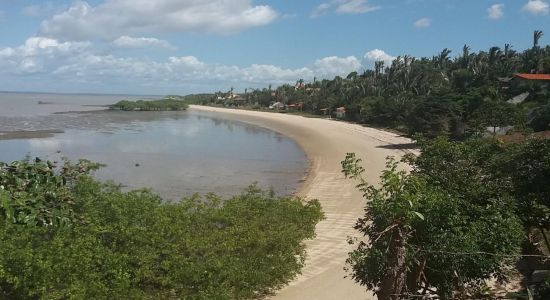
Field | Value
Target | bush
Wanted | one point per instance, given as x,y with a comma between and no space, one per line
132,245
156,105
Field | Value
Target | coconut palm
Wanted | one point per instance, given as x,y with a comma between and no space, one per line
537,35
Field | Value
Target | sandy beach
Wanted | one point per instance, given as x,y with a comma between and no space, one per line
326,143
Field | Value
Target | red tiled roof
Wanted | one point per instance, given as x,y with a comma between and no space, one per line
534,76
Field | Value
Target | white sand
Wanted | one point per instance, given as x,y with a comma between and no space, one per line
326,143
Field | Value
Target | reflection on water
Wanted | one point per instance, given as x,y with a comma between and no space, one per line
176,153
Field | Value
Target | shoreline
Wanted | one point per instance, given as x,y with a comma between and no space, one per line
326,143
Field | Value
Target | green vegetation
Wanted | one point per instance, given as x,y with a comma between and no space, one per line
64,235
193,98
169,103
468,212
439,95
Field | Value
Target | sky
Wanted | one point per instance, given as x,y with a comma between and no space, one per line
193,46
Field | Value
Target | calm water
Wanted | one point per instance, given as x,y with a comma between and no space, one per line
175,153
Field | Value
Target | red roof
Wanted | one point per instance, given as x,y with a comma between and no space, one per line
534,76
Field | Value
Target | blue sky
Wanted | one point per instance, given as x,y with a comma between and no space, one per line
189,46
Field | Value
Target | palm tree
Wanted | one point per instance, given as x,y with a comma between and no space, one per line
507,50
465,56
378,67
536,37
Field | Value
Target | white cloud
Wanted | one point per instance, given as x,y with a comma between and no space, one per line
177,71
495,11
536,7
355,7
379,55
46,63
423,23
38,54
140,42
116,18
321,10
344,7
330,66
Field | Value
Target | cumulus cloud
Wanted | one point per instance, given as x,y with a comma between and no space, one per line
423,23
38,54
116,18
140,42
333,65
344,7
379,55
78,64
495,11
536,7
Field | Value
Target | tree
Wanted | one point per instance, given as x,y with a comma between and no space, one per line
540,118
439,95
440,233
537,35
495,114
433,116
527,164
389,212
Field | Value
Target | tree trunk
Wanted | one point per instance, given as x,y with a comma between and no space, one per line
393,284
544,238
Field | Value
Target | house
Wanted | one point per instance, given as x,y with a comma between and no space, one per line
277,105
295,106
523,78
341,112
520,80
533,77
233,95
236,101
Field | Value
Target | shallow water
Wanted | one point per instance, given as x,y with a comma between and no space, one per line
175,153
33,104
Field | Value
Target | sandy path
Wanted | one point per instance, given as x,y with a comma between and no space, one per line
326,143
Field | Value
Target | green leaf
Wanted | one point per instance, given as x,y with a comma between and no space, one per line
421,216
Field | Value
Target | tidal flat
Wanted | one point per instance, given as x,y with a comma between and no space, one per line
176,154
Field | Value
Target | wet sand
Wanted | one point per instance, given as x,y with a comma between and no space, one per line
326,143
28,134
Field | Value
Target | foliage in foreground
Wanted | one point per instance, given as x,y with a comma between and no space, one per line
148,105
458,219
132,245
